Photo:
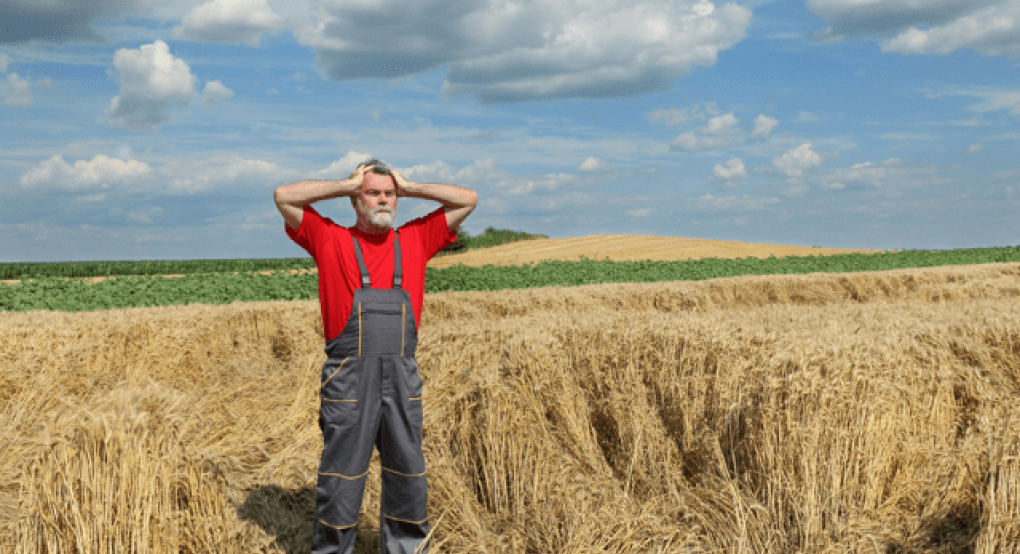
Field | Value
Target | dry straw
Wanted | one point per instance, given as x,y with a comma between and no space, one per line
869,413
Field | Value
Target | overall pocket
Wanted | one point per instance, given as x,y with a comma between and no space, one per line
338,392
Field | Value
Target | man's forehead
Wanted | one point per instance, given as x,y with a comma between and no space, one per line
375,181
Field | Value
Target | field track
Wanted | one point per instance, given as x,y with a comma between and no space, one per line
859,413
605,247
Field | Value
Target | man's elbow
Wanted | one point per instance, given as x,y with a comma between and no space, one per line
280,195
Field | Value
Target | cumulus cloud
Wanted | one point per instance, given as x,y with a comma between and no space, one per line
221,171
215,93
342,168
990,27
692,143
152,81
482,172
242,21
763,126
592,164
18,91
734,169
5,62
722,126
100,172
797,161
975,148
528,50
721,132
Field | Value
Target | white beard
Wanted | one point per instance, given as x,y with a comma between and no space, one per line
380,216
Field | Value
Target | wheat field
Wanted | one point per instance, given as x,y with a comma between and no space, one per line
627,248
824,413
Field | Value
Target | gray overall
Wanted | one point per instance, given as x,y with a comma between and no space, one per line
371,395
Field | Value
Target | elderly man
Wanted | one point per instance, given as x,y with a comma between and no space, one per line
371,393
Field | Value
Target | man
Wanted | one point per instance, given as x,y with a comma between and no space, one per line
371,390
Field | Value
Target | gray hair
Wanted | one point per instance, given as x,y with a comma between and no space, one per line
378,167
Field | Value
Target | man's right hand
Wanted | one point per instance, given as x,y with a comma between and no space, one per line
359,175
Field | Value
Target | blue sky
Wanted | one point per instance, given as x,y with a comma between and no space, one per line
159,129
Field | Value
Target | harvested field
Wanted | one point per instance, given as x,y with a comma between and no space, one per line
826,413
626,248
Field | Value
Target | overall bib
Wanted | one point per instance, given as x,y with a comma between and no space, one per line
371,396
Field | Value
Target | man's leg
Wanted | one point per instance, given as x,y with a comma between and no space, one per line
349,417
404,518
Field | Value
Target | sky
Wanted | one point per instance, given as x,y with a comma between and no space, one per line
159,129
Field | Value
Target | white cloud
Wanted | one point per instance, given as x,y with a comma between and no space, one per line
763,126
975,148
722,125
991,99
734,169
675,117
992,31
229,21
482,173
19,93
995,101
215,93
592,164
722,132
689,142
5,62
797,161
100,172
528,50
342,168
989,27
892,174
152,82
221,171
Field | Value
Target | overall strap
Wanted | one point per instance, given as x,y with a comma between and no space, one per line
398,271
366,282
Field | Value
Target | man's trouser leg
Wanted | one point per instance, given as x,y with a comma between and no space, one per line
349,418
404,507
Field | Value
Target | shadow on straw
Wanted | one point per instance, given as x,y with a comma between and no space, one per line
288,515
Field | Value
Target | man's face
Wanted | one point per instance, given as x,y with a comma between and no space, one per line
377,201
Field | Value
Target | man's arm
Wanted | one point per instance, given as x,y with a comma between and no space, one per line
458,201
291,199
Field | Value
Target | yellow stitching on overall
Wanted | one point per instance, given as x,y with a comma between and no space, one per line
335,372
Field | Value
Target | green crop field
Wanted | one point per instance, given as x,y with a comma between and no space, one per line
52,293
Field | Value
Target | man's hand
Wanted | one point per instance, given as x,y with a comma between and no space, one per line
404,187
358,176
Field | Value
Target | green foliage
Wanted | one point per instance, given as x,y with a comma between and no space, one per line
50,293
149,267
460,244
491,237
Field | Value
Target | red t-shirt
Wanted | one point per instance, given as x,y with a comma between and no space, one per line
332,248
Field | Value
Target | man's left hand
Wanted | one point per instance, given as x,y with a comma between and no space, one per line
404,187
